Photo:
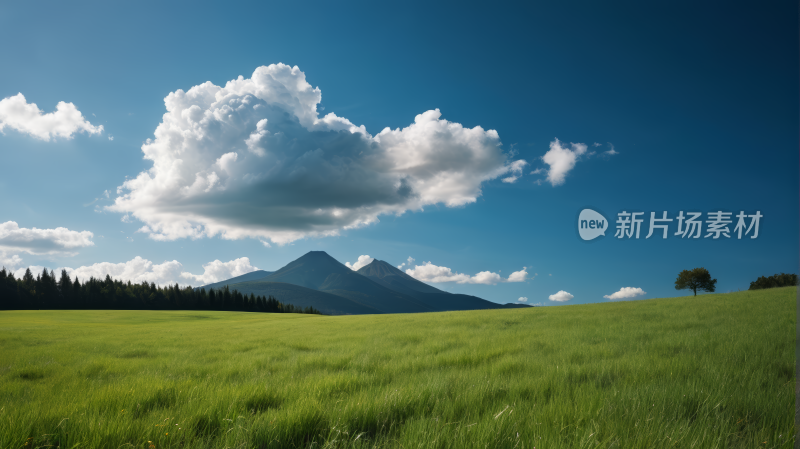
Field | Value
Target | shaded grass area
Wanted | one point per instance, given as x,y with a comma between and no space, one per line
714,371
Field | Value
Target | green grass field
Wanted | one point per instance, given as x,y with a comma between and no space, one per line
712,371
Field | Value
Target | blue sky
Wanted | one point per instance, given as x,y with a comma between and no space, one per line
699,103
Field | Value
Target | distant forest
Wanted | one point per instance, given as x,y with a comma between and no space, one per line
46,292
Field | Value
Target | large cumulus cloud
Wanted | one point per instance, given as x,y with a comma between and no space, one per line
254,159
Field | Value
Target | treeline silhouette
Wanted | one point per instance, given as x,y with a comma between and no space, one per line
776,280
46,292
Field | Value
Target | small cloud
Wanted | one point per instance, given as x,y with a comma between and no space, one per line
9,261
522,299
110,137
561,296
126,218
35,241
362,262
596,144
516,171
518,276
612,151
626,292
106,194
538,170
408,263
561,160
66,121
512,151
538,304
428,272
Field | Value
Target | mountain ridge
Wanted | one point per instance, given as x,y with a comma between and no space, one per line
316,279
251,276
319,271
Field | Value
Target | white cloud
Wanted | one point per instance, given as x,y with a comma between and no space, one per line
253,159
612,151
111,138
485,277
138,270
428,272
522,299
409,263
58,241
16,113
516,171
362,261
518,276
561,160
9,261
219,271
561,296
626,292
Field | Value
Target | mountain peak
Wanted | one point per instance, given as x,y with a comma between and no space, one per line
379,268
391,277
316,254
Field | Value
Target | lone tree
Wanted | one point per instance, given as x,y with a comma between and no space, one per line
699,278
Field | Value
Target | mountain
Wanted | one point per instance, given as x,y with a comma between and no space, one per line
392,278
296,295
252,276
318,280
319,271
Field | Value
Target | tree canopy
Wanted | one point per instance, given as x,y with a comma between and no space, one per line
696,279
776,280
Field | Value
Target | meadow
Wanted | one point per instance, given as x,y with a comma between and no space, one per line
712,371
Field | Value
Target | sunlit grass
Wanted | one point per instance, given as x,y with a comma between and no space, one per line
711,371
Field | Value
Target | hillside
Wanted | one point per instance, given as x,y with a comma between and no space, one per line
252,276
393,278
327,303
